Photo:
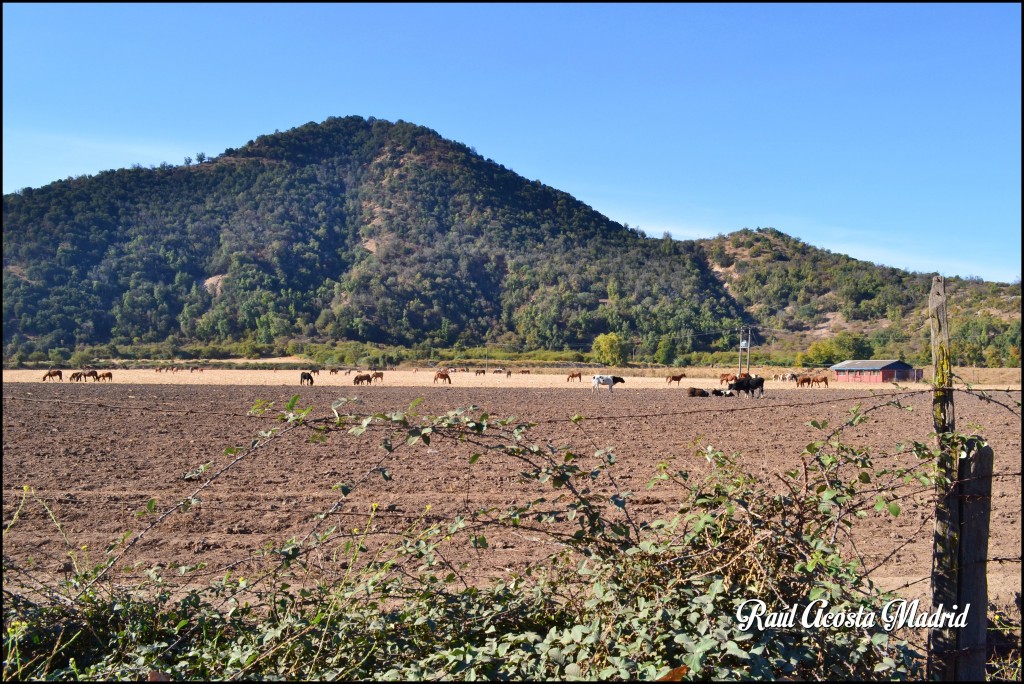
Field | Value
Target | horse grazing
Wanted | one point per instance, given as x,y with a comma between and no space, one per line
819,379
91,374
748,385
306,379
53,374
609,380
443,377
674,378
696,392
480,371
575,376
361,378
803,381
106,375
75,377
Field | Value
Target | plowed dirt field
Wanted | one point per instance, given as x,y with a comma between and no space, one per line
95,453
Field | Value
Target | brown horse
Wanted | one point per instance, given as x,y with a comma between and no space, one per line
674,378
443,377
819,379
575,376
91,374
726,378
75,377
107,375
53,374
803,381
377,375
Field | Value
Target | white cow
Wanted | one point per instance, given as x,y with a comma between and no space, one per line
609,380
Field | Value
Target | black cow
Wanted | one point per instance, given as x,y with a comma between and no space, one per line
749,385
306,379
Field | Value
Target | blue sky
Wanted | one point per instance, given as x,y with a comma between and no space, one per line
889,132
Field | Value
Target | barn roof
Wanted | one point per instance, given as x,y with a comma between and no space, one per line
883,364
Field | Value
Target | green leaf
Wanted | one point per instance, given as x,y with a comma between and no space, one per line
732,649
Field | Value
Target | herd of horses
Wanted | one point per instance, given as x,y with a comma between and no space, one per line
306,377
800,380
737,383
79,376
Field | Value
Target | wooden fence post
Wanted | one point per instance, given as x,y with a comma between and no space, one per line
962,509
942,642
975,480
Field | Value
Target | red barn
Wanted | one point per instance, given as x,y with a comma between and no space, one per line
888,370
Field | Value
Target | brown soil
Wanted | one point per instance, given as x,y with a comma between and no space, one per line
95,453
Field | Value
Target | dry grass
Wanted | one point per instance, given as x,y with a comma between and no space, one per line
651,378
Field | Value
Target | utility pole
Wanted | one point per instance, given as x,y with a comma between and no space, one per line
748,350
739,364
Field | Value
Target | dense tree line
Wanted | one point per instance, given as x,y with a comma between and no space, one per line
378,232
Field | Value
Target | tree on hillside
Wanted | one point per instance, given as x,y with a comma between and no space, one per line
609,349
666,352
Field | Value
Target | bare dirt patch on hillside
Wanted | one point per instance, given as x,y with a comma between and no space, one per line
96,453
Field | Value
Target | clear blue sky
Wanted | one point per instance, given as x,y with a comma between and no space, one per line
888,132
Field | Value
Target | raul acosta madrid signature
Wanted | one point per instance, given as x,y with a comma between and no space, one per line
753,613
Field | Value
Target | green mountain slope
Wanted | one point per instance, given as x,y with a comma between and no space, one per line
362,229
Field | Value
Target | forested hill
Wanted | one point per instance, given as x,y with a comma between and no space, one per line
367,230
